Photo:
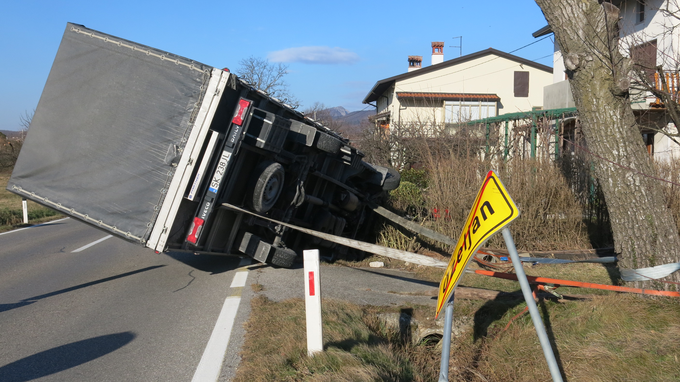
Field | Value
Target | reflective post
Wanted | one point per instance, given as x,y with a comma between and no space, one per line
313,302
24,206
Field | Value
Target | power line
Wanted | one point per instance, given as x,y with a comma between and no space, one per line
532,43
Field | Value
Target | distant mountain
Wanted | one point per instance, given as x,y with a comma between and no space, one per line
357,117
342,115
11,134
337,112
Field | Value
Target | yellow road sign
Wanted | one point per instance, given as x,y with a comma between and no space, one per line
493,210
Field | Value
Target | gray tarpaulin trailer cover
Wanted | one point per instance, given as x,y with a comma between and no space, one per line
105,138
154,147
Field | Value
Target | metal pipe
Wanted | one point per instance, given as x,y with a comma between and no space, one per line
533,137
557,139
446,344
488,133
321,203
533,309
507,149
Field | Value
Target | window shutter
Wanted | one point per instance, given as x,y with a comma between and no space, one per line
521,84
644,58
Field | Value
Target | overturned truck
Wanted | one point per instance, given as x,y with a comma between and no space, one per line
177,155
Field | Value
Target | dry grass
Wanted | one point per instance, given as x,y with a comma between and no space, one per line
11,211
611,338
615,337
551,215
356,348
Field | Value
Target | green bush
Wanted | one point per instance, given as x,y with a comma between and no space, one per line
417,177
407,198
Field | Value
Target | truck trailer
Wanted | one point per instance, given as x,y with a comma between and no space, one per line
177,155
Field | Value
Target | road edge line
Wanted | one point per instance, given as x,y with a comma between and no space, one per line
33,226
210,366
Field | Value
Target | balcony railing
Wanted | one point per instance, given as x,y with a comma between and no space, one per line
669,83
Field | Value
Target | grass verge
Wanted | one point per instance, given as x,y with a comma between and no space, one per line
607,338
356,347
11,210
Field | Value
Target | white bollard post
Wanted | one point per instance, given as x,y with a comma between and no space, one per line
24,204
313,302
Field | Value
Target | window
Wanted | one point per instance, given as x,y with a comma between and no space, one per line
465,111
640,11
521,84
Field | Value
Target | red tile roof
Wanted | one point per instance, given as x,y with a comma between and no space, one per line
451,96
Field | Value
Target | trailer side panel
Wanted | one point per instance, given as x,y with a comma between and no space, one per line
109,131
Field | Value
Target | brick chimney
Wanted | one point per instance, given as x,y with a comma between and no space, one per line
415,63
437,52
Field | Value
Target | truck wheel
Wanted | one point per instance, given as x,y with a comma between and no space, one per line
392,179
267,188
283,257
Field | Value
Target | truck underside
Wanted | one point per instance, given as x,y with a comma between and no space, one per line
284,169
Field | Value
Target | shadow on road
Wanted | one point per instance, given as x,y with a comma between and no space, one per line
214,264
64,357
408,279
31,300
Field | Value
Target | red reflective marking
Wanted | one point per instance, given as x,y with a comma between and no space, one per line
311,284
242,108
195,229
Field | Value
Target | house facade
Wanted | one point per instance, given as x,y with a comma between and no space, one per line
480,85
650,36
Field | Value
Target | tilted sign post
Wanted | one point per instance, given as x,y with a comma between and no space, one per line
492,211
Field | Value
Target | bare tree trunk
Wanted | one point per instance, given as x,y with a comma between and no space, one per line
644,231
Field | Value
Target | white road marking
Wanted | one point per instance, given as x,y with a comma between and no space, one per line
210,366
92,244
239,280
33,226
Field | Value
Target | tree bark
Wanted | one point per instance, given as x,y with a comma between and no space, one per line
644,231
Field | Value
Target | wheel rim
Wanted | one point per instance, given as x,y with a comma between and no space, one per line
272,190
268,187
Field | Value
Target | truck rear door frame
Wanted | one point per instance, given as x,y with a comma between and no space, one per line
183,175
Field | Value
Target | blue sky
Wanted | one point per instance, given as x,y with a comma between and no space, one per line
335,51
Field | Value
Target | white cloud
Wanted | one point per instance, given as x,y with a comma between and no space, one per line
314,55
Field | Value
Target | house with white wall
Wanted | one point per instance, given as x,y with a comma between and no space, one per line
650,36
484,84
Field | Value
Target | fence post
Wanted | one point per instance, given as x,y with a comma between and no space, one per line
507,149
533,136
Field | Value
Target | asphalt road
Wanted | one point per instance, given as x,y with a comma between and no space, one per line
114,311
79,305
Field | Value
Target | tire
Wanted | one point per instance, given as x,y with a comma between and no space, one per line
392,180
385,177
283,257
267,188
